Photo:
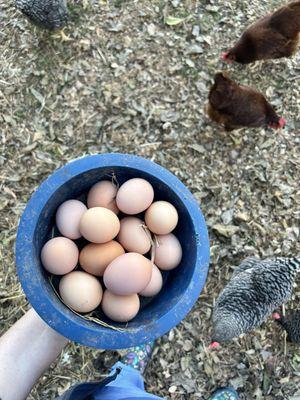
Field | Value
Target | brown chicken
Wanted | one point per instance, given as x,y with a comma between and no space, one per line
235,106
273,36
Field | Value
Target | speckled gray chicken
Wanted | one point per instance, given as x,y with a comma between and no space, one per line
49,14
255,290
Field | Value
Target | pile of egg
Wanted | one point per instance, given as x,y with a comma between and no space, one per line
117,259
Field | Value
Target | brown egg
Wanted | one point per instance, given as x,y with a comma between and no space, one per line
99,225
80,291
161,217
94,258
169,252
59,255
120,308
128,274
103,194
135,196
155,284
133,237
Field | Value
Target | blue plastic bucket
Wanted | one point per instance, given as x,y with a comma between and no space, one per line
182,287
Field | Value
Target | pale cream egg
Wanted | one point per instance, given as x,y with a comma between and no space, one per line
80,291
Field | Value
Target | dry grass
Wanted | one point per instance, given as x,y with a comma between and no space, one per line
127,82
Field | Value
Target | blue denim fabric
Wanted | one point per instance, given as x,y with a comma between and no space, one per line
123,383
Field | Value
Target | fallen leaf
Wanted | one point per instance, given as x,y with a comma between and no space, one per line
226,230
171,21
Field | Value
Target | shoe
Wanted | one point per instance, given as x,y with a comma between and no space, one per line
138,357
224,394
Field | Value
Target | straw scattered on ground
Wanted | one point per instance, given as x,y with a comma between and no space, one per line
126,80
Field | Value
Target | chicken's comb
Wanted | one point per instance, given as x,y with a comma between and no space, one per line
281,122
224,55
276,316
213,345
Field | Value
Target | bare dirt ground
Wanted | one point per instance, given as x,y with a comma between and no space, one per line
126,81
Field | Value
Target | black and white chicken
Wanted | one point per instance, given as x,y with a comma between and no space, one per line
255,290
49,14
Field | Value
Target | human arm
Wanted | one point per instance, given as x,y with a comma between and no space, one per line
26,350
